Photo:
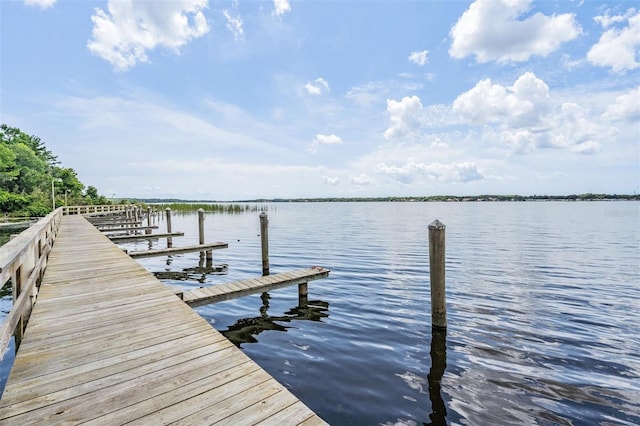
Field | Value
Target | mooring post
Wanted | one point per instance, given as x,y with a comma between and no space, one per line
148,231
437,274
303,295
201,234
264,240
169,239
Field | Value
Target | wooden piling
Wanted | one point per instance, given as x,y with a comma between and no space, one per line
201,234
437,274
148,231
169,239
264,240
201,225
303,295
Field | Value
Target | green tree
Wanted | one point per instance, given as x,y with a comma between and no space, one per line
27,170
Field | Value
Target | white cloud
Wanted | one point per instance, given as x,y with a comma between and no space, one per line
405,116
317,87
324,140
331,180
453,172
626,107
491,30
234,25
130,29
419,58
280,7
586,148
617,47
608,20
44,4
361,179
519,105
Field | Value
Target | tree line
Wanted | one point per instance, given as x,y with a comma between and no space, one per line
28,170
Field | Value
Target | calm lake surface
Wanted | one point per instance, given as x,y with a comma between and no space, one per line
543,307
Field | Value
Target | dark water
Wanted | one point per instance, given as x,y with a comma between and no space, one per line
543,307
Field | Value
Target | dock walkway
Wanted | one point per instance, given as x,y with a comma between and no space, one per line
107,343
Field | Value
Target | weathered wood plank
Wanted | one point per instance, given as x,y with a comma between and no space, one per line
145,236
232,290
176,250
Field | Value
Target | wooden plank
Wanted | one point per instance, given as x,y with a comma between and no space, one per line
145,236
175,250
107,343
126,229
232,290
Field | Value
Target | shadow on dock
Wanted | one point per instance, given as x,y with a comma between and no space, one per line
245,330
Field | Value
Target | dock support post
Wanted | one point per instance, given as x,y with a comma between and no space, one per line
169,239
264,240
148,231
303,295
201,235
437,274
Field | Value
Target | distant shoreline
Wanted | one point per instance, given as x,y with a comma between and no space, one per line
432,198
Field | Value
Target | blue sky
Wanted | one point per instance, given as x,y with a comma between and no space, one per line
230,100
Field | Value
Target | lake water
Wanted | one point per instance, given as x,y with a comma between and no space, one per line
543,308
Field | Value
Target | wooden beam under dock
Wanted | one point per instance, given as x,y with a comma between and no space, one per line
232,290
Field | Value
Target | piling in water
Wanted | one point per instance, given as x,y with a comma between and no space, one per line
264,239
169,239
437,274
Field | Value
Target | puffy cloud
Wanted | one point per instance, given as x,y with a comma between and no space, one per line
405,116
360,180
626,107
234,25
453,172
617,47
280,7
318,86
129,29
44,4
569,126
519,105
331,180
419,58
491,30
324,140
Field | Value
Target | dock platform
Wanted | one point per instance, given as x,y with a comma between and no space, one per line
108,344
235,289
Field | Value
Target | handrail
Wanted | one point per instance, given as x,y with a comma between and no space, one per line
91,209
23,260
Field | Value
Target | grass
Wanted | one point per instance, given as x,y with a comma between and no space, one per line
211,208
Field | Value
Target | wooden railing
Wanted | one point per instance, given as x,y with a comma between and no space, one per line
23,261
107,208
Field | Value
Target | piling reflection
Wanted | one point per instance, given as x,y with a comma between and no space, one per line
245,330
438,365
198,273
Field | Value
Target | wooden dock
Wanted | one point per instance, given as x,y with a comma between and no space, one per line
235,289
108,344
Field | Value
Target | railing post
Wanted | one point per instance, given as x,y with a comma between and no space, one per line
264,240
16,281
437,274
